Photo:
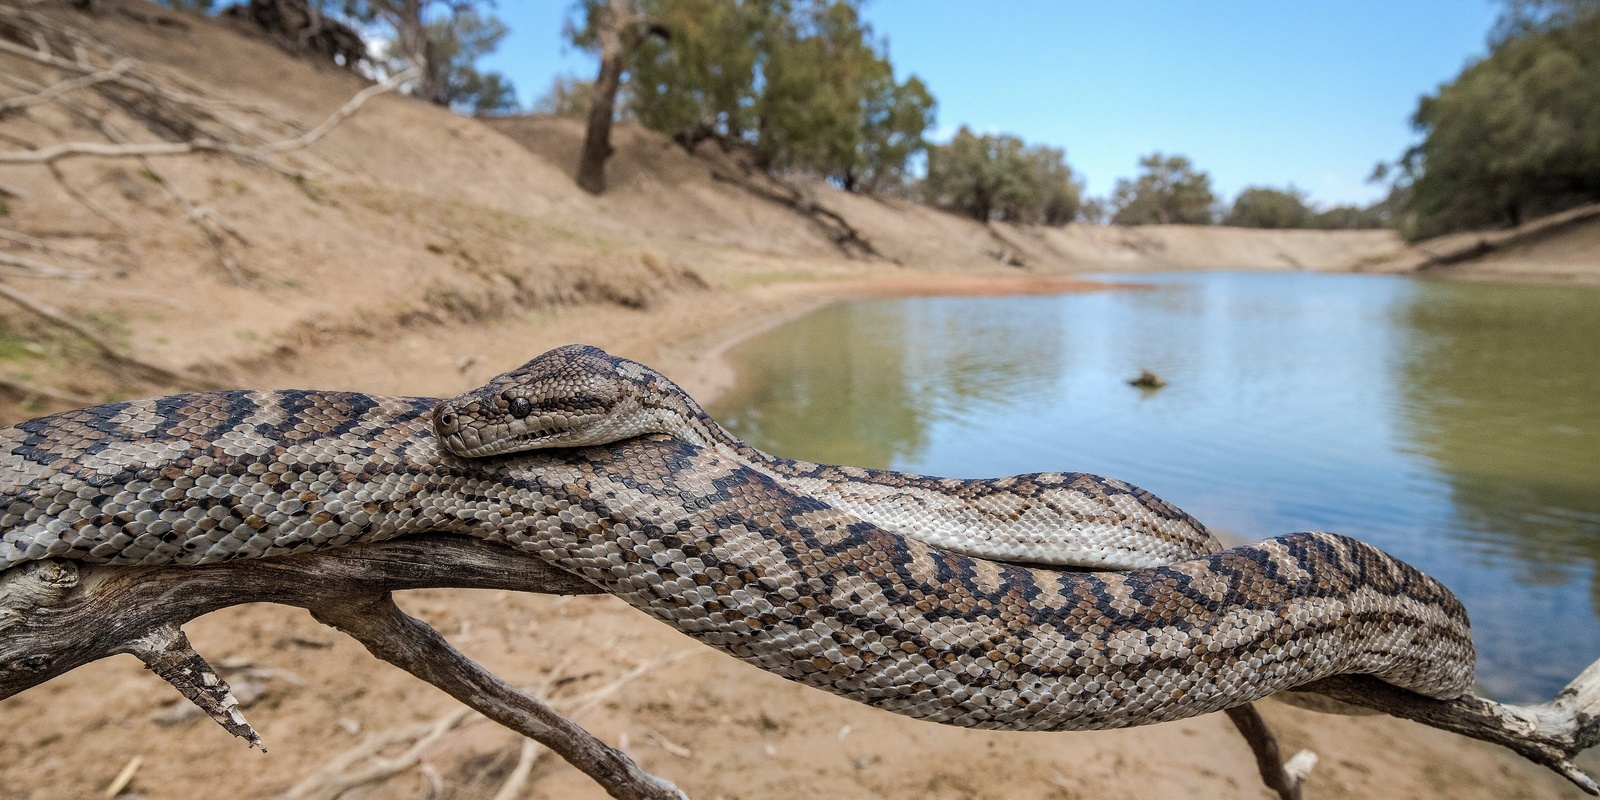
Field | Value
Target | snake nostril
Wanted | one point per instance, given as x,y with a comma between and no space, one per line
447,419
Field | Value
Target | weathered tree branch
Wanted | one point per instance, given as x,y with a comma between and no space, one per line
32,268
1549,734
1285,778
408,643
309,137
57,616
14,104
46,155
46,247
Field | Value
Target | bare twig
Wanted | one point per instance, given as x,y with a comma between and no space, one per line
365,763
166,652
45,155
210,224
516,783
46,247
38,269
27,390
85,200
123,778
1549,734
402,640
203,218
354,104
338,777
13,104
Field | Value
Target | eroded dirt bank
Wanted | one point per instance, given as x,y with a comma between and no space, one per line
426,253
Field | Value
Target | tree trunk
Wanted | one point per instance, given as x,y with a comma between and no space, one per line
597,139
411,35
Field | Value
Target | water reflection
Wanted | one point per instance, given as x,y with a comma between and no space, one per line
1456,426
862,383
1503,395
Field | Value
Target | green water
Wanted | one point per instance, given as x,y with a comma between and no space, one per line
1456,426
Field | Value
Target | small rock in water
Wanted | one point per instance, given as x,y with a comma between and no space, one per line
1148,380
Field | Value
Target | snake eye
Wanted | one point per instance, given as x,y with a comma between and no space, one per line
520,407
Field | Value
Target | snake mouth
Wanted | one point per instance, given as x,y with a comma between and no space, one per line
531,440
569,432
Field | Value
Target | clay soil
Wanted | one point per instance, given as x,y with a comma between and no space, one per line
433,251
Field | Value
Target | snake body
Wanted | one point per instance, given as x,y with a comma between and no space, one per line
578,395
736,556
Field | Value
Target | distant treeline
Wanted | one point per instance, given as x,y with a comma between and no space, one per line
1515,135
806,86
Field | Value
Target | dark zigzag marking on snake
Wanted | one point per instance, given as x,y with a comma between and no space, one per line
1238,595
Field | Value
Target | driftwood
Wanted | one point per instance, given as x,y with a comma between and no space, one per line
56,616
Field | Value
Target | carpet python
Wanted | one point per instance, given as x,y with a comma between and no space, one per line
735,555
580,396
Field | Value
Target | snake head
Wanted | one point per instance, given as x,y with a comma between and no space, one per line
572,396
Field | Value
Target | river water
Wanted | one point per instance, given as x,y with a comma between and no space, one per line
1456,426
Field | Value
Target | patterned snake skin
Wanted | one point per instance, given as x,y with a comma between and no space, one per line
735,556
580,396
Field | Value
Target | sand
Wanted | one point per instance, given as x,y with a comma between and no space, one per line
434,251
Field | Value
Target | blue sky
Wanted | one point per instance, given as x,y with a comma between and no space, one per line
1309,93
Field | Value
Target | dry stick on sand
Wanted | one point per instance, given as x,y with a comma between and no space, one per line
260,155
106,348
365,763
30,268
30,390
210,224
13,104
56,616
46,247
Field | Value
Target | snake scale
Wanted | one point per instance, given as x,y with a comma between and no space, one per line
733,548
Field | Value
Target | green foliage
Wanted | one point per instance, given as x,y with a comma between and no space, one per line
567,96
1169,191
1096,210
1522,17
803,84
1349,217
1001,177
459,40
1265,207
447,37
1516,135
